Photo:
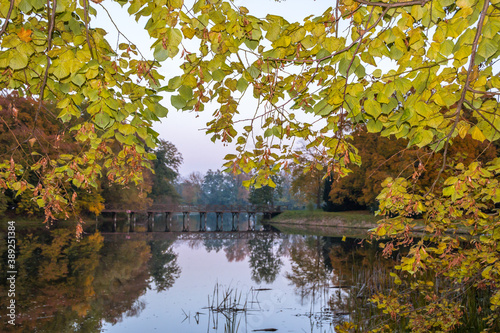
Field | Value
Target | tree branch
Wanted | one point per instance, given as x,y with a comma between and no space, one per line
482,116
393,4
86,14
7,18
464,90
482,92
51,18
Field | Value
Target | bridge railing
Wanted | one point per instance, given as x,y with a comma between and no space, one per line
196,208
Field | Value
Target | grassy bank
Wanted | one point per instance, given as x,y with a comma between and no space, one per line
353,224
352,219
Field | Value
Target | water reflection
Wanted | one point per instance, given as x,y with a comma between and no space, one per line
228,282
264,261
163,265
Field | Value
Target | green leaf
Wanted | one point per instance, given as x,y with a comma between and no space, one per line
242,85
218,75
372,108
487,48
102,120
374,126
283,41
160,111
79,79
186,92
178,102
160,53
253,71
17,60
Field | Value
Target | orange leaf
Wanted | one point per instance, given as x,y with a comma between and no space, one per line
25,35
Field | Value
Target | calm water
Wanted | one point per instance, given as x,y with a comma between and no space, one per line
188,282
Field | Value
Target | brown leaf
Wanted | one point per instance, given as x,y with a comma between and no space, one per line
25,35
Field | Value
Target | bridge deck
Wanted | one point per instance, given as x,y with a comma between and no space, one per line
197,209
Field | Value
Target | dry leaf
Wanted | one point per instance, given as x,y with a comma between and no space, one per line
25,35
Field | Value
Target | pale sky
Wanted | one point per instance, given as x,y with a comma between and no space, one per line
183,129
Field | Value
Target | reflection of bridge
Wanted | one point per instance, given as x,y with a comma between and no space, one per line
190,236
187,210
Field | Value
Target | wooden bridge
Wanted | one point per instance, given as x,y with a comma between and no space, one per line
187,210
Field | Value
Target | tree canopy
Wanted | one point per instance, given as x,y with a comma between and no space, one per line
421,70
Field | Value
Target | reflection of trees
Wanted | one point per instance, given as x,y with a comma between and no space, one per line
65,285
309,273
236,249
163,265
264,261
213,245
360,272
54,284
121,278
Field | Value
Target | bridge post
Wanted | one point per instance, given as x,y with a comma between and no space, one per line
185,216
237,216
150,223
131,224
168,218
250,226
128,218
203,221
114,221
217,215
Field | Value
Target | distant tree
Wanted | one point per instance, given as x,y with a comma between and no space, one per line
129,195
219,188
308,172
190,188
267,195
166,170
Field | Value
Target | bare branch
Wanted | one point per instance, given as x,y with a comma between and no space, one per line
7,18
51,17
86,14
393,4
482,92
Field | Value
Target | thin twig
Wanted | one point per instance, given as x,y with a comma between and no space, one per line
393,4
86,18
51,17
7,18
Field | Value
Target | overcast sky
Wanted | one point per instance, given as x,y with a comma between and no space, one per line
184,129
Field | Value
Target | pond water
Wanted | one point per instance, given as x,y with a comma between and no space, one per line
243,281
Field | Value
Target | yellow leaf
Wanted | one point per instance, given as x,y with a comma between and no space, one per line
25,35
463,128
477,134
